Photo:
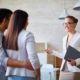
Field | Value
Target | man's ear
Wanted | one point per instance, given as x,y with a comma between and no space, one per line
4,21
4,24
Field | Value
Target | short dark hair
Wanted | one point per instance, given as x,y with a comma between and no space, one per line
4,13
75,20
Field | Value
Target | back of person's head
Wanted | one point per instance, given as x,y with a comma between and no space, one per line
5,13
75,20
18,22
19,19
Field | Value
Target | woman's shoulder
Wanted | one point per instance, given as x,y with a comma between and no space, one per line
26,33
78,33
29,34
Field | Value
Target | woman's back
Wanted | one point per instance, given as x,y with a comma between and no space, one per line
26,51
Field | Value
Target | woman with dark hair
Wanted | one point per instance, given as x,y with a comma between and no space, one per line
69,69
4,59
17,38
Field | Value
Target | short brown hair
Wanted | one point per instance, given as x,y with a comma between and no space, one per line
75,20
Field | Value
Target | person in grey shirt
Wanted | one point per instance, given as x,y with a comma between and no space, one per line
19,39
4,59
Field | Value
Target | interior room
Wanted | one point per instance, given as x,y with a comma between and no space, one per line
46,23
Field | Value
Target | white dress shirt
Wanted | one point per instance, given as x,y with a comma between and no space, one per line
75,42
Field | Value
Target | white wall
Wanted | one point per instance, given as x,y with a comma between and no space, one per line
43,18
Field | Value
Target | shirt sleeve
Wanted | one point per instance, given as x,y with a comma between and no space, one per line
57,54
77,47
77,62
32,55
3,56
